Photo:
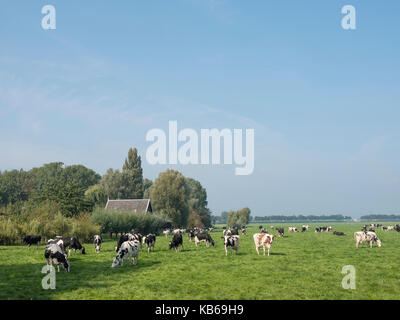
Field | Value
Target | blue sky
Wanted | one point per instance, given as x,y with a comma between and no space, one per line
324,102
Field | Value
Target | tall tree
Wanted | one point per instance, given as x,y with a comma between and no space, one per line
127,184
169,197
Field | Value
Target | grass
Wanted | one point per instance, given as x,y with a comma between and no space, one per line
301,266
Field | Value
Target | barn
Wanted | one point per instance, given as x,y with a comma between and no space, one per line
130,205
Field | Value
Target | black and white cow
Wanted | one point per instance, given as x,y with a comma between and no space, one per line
191,234
73,243
176,242
128,237
30,240
150,241
97,243
243,231
203,237
128,249
280,231
370,237
338,233
55,255
231,242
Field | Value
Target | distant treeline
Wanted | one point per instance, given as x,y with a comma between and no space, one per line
380,217
301,218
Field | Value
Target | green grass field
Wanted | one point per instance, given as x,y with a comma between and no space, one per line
301,266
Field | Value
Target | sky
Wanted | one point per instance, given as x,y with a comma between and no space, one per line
323,101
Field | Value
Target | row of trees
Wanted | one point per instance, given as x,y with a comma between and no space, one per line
47,221
302,218
75,190
380,217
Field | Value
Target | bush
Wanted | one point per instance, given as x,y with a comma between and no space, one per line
83,228
8,231
116,221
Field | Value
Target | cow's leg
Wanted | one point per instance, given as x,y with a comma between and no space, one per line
264,250
258,252
58,267
226,251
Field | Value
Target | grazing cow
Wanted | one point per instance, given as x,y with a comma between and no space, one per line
54,254
97,243
303,229
384,228
30,240
191,234
370,237
128,237
390,228
150,241
305,226
167,233
280,231
231,242
263,240
128,249
243,231
176,242
203,237
338,233
72,243
397,228
328,229
292,229
317,229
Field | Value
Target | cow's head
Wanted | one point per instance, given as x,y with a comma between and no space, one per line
116,262
66,265
378,242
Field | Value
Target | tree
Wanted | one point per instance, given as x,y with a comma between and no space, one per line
127,184
96,195
239,218
147,184
197,200
169,197
133,175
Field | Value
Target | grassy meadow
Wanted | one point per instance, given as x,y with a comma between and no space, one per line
301,266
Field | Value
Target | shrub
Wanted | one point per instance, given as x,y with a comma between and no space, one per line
8,231
116,221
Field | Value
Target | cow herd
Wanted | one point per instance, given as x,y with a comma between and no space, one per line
128,245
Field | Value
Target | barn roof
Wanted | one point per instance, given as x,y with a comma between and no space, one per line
130,205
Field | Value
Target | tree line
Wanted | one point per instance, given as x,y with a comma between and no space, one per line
302,218
74,191
380,217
